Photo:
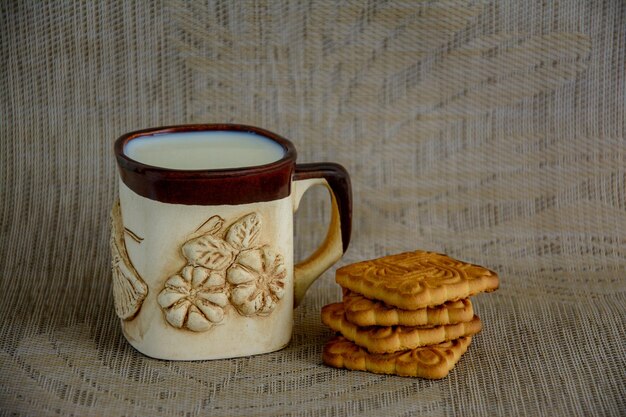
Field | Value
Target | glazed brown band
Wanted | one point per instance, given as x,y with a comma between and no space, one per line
208,187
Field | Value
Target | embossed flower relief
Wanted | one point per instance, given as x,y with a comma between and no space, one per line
194,298
258,278
223,268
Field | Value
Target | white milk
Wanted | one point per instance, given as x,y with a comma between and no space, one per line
204,150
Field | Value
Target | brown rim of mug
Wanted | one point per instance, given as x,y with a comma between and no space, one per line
239,185
128,163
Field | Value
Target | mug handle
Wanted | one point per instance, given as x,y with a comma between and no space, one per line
336,179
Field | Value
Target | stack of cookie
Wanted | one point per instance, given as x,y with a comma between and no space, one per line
407,314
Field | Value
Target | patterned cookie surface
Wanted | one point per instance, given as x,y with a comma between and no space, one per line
415,280
365,312
432,362
386,339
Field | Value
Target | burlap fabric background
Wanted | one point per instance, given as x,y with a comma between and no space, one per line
493,131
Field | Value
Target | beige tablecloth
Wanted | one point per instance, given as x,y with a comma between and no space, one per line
490,130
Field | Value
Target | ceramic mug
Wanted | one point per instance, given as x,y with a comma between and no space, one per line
203,258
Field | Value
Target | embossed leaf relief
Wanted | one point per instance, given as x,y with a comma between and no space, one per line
209,251
129,289
223,267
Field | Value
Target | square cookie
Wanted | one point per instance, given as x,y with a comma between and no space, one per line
415,280
363,311
387,339
431,362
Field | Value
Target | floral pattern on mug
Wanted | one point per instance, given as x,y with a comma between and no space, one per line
194,298
222,269
258,276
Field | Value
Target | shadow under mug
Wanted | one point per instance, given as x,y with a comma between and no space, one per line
203,258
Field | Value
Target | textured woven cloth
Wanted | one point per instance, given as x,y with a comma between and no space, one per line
489,130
